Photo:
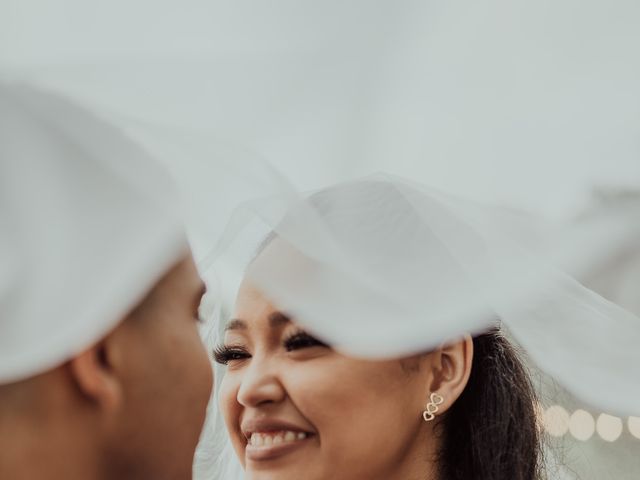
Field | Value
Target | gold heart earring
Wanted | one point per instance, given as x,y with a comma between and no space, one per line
432,407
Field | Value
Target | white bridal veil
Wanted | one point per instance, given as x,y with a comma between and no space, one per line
88,224
385,267
254,106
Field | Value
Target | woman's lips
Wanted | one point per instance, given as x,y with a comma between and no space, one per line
263,446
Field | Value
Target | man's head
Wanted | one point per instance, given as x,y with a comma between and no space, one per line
151,380
102,371
133,404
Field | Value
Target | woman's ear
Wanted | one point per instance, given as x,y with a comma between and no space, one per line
451,368
95,376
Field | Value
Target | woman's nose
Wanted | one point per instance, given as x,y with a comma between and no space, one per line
260,384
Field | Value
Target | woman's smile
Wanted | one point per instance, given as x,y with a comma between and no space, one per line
269,439
263,446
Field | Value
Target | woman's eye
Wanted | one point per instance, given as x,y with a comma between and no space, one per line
302,340
224,354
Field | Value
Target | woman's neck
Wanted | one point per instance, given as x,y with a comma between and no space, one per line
419,461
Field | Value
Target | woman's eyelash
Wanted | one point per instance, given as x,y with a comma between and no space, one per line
302,340
225,354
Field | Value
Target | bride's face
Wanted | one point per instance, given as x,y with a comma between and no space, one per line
295,408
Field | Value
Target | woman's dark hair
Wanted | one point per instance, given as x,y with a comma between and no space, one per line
491,431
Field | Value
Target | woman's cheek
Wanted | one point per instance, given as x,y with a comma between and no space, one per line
225,396
318,389
228,402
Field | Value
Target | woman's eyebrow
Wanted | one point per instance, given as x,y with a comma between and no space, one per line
236,324
278,319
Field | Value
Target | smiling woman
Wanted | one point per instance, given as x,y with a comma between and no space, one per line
296,406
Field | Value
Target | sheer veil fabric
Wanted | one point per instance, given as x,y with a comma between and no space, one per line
70,270
254,106
385,267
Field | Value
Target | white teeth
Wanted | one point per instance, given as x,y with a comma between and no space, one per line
267,439
257,440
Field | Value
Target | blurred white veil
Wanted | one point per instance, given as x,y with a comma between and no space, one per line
385,267
523,104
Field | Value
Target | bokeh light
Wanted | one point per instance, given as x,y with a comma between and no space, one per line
609,427
582,425
556,421
634,426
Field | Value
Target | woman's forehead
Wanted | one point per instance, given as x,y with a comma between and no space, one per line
254,310
252,303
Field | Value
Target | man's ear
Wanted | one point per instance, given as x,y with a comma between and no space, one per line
95,376
451,366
